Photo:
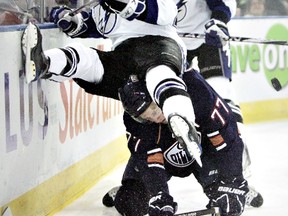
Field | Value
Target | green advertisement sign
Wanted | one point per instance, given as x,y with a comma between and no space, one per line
272,59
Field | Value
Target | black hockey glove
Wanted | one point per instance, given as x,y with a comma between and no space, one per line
216,33
128,9
162,205
72,25
228,195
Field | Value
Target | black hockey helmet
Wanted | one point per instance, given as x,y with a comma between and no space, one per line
135,98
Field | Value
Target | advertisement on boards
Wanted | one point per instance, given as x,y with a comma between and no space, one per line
254,64
47,126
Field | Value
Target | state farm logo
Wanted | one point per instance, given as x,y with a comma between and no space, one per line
177,157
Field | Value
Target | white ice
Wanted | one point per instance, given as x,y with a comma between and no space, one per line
268,146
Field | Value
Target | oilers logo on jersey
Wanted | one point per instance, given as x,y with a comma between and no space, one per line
177,157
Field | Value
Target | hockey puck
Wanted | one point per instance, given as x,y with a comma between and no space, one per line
276,84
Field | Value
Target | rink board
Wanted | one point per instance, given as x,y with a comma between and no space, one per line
60,190
58,141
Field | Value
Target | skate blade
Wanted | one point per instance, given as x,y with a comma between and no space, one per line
29,41
181,129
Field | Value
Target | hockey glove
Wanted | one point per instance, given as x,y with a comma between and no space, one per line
128,9
228,195
72,25
216,33
162,205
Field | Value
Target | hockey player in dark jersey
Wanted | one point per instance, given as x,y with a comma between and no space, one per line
145,43
211,17
156,155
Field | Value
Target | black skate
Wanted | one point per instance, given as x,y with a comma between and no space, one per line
254,198
109,198
36,64
185,132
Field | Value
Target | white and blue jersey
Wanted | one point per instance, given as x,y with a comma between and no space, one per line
159,19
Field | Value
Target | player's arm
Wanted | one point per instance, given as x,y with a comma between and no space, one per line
216,28
222,10
160,12
229,190
150,166
155,178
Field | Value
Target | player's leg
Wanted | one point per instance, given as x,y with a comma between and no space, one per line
131,197
162,65
58,64
176,105
32,52
109,198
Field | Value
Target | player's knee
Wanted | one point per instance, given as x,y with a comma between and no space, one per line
132,199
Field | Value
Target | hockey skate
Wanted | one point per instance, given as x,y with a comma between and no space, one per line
109,197
185,132
254,198
36,64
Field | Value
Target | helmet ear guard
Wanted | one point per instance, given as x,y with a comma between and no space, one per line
135,98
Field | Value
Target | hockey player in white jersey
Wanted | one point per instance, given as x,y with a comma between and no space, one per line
210,17
145,43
